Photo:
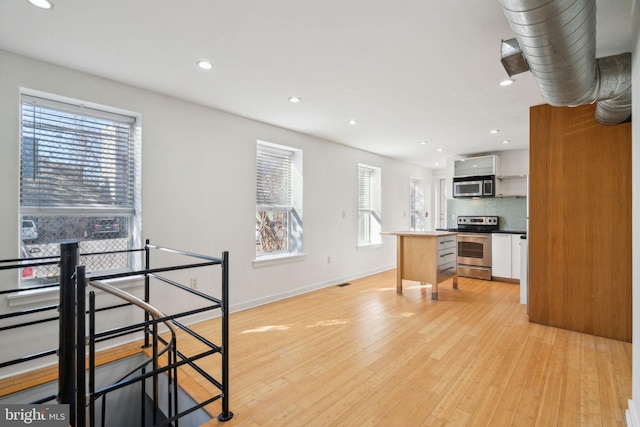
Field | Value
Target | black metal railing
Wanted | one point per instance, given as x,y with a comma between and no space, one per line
76,348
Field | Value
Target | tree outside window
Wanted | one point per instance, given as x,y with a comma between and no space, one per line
278,200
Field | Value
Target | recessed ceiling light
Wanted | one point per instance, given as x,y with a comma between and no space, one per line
437,164
42,4
440,150
294,99
494,131
506,141
205,65
353,122
423,142
507,82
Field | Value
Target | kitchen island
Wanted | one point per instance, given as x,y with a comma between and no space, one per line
426,257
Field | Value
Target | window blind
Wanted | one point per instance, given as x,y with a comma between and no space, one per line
365,188
417,195
274,181
417,204
75,158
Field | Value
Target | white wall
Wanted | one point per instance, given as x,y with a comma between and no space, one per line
198,189
633,414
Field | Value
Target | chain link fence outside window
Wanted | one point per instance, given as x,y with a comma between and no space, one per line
95,235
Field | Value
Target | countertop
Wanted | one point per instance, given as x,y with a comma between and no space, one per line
436,233
483,232
510,231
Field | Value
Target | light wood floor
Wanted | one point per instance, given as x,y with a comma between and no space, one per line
362,355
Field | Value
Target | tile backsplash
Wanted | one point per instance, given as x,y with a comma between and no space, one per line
512,211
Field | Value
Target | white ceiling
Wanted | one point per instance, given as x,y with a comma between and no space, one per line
407,70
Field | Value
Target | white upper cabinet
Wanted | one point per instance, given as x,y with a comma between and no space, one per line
514,162
475,166
512,186
512,181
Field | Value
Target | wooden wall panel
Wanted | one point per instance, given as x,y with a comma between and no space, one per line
580,222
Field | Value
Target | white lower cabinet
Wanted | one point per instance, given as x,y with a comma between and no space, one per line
505,255
501,255
515,256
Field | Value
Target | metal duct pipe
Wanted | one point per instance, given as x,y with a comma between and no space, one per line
614,92
558,40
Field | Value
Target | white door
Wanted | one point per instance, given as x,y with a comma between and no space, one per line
441,202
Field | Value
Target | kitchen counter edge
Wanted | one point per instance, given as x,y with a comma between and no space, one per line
419,233
487,232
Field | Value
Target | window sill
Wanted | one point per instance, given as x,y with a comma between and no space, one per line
267,260
40,297
369,246
34,296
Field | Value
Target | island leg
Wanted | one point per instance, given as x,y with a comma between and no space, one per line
399,256
455,281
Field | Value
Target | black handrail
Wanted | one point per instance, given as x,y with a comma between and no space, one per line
28,358
29,311
226,414
175,358
24,262
81,382
186,288
69,258
158,317
51,351
189,254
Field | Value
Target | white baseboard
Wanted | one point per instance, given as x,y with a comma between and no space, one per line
631,415
305,289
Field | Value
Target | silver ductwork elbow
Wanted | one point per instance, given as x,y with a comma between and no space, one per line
614,91
558,40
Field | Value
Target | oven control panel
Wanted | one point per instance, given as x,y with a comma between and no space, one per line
478,220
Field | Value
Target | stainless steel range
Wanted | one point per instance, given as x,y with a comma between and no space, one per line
474,245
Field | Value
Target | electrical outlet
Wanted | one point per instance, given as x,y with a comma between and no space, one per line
194,283
328,260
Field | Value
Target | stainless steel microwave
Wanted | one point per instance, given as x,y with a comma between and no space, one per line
474,186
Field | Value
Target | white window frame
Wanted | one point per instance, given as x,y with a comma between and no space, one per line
96,210
417,217
369,205
279,211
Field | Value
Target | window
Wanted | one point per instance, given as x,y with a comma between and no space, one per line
79,180
369,205
418,213
278,200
